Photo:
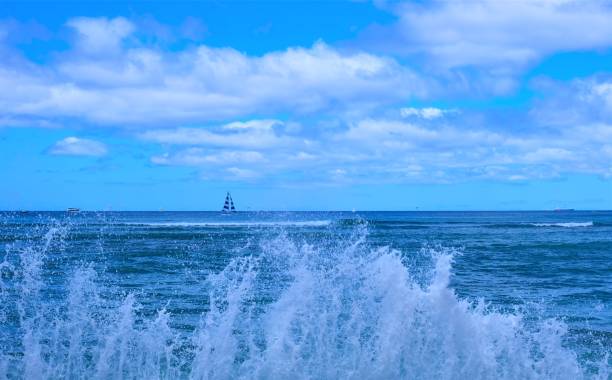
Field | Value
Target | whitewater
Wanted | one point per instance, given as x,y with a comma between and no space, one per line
278,296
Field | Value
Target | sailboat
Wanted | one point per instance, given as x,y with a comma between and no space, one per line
228,206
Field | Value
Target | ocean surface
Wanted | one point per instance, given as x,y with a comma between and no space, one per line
306,295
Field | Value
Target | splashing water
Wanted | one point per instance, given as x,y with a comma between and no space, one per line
291,310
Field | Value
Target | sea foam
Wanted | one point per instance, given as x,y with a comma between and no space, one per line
564,224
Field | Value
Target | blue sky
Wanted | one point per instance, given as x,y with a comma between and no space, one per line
485,105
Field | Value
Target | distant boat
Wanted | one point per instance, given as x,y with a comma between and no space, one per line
563,209
228,206
72,209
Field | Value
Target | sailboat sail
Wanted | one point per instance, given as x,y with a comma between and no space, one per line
228,206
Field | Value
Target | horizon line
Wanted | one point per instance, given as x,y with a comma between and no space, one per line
350,211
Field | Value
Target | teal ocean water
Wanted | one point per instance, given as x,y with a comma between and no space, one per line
306,295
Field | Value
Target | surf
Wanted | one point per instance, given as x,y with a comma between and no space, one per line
564,224
324,309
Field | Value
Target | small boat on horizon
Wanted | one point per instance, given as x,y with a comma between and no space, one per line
563,209
73,209
228,206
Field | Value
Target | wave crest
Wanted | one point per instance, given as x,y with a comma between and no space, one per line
564,224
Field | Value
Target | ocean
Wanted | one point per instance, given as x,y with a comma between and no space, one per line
306,295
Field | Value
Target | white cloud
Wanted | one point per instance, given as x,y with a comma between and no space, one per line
106,80
251,134
74,146
338,174
427,113
100,35
259,125
585,101
239,174
390,150
443,151
501,33
303,156
387,149
546,155
384,134
201,157
346,102
481,48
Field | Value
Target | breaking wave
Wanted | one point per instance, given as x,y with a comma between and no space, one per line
566,224
545,224
294,310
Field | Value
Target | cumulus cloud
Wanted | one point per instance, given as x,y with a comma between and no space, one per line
74,146
482,47
222,112
106,81
394,150
497,33
452,152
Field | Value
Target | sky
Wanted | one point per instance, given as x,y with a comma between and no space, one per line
416,105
